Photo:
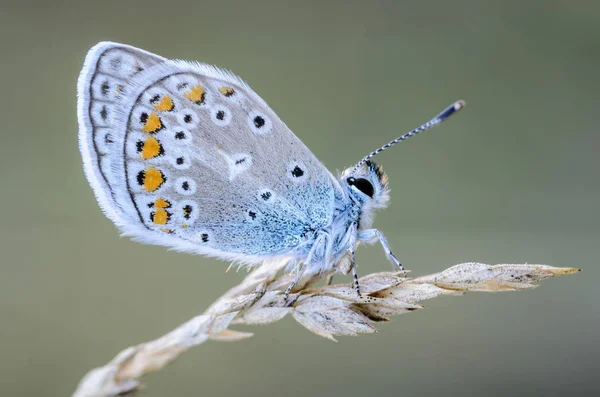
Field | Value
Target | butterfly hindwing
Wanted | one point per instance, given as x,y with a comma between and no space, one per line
197,161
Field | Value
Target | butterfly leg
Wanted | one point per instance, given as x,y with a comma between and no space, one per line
290,287
370,234
354,275
352,237
329,279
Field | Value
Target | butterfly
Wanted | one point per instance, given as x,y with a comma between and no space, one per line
186,155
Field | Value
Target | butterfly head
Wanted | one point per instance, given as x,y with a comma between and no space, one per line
367,186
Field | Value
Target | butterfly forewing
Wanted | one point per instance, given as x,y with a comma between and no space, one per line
195,160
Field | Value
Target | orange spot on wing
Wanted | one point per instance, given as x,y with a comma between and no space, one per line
165,104
151,148
160,217
227,91
153,178
153,123
161,203
196,94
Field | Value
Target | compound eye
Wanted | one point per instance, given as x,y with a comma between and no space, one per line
362,184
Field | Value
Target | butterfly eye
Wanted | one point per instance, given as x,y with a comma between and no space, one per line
362,184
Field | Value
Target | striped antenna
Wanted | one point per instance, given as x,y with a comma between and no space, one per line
449,111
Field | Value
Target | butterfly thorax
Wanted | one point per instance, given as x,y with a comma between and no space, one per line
323,248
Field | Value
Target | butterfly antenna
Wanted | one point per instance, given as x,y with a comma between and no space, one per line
449,111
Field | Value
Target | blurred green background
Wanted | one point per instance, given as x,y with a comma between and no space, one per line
511,179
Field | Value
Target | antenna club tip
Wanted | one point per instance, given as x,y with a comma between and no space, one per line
449,111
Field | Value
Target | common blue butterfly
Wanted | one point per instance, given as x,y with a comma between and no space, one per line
186,155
